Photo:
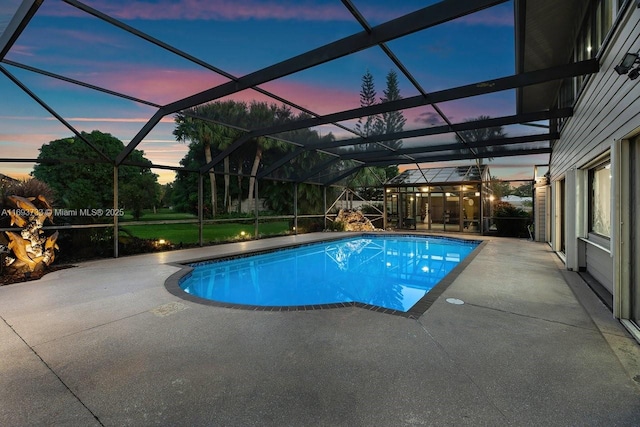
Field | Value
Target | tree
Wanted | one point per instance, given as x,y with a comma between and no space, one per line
524,190
251,155
278,196
393,121
370,179
196,130
86,180
166,194
217,137
500,189
371,124
140,192
184,197
478,135
264,115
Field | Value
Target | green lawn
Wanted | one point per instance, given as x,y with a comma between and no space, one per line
160,215
188,233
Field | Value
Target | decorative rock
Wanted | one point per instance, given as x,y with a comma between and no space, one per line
354,220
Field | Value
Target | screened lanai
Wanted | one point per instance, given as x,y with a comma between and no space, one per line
440,199
138,70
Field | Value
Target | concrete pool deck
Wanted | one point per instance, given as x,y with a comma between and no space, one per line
105,343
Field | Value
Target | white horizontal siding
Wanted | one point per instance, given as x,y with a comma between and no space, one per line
540,213
600,266
608,109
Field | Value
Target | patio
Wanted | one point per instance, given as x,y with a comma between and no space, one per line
105,343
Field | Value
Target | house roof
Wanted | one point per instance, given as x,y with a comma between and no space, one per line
545,35
445,175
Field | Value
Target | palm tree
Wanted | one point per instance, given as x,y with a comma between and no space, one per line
267,116
250,155
189,128
193,125
483,134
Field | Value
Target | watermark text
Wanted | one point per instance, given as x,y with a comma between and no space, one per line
88,212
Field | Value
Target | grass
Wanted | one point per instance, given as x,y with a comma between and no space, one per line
188,233
159,215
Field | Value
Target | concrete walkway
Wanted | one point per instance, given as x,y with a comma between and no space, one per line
106,344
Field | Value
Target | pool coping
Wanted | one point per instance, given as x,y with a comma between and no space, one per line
172,283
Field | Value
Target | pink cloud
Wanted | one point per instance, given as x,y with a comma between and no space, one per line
319,99
157,85
214,10
163,86
114,119
496,16
37,44
23,50
229,10
24,145
64,35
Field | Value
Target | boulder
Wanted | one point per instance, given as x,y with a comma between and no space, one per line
354,220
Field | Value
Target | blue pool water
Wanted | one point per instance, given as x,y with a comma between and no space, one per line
393,272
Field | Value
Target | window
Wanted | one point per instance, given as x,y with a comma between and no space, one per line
604,19
597,23
600,199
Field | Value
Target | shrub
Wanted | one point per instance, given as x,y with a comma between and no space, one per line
375,208
308,225
337,226
26,188
511,221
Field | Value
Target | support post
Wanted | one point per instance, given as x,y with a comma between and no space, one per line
461,209
324,206
115,209
400,201
384,208
255,197
481,227
200,209
295,208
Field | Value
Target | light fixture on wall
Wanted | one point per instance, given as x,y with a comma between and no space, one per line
626,66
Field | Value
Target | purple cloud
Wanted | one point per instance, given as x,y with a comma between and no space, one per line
220,10
430,118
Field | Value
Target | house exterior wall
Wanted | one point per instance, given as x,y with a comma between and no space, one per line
541,210
599,264
606,113
607,110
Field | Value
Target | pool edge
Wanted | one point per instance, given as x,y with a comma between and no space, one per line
172,284
430,297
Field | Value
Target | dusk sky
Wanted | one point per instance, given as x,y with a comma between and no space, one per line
238,37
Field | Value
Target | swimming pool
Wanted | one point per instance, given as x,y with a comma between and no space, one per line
393,272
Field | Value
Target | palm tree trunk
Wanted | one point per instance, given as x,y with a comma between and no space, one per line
254,171
240,185
212,179
226,185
